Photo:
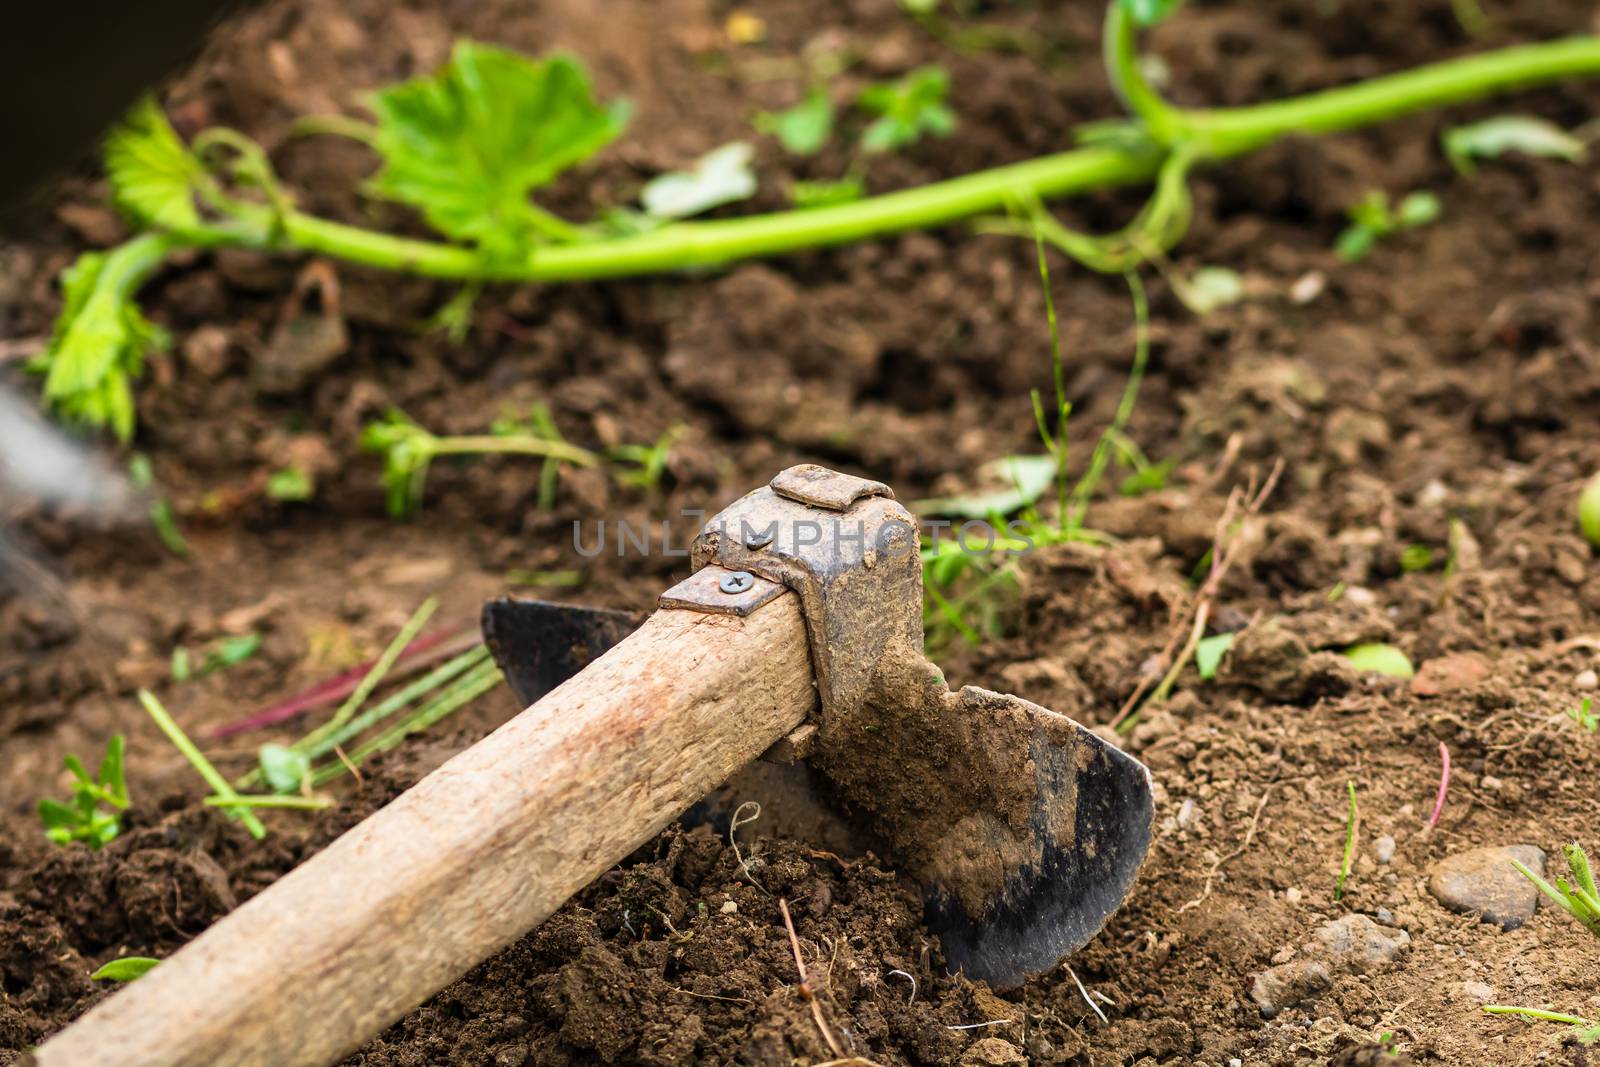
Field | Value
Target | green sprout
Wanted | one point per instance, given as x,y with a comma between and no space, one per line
1584,716
83,818
142,476
1352,821
219,656
802,130
1372,219
1578,898
907,110
408,451
290,485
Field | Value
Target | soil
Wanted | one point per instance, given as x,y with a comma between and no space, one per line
1439,393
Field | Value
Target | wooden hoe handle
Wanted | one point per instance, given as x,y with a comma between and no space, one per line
476,854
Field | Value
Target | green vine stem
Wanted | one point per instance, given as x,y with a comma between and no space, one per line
1212,135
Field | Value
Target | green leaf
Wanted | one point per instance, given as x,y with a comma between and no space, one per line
124,970
56,815
1149,12
1418,209
1208,653
290,484
100,342
79,771
152,174
1416,558
1355,242
111,778
231,650
850,188
907,110
1025,479
804,128
1493,138
1380,659
284,768
467,145
721,176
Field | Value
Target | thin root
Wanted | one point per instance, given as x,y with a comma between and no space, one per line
806,993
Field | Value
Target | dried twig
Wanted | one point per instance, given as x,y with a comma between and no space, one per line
804,987
1242,503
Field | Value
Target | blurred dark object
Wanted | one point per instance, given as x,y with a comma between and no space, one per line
68,70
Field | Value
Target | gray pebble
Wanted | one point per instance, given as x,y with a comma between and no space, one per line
1483,880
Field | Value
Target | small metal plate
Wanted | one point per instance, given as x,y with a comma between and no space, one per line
807,483
703,591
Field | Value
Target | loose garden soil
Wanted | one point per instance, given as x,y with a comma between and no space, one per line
1453,374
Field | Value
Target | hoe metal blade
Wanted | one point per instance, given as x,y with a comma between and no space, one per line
1090,828
539,645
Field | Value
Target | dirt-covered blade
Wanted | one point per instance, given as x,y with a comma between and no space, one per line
538,645
1088,832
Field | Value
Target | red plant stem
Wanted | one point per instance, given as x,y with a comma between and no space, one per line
425,650
1444,786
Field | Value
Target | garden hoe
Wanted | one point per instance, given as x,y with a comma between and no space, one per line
799,635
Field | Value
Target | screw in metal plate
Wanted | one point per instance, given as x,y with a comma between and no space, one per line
758,538
737,582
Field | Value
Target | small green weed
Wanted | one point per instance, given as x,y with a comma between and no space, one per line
408,452
1373,219
1584,716
1352,822
1579,898
220,655
142,476
907,110
290,485
83,818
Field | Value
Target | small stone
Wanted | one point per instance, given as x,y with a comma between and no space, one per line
1308,287
1289,984
1383,849
1186,814
1283,955
1446,674
729,907
1483,880
1433,494
1292,895
1358,944
1491,783
1384,915
1586,679
1350,943
992,1052
1360,596
1476,992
